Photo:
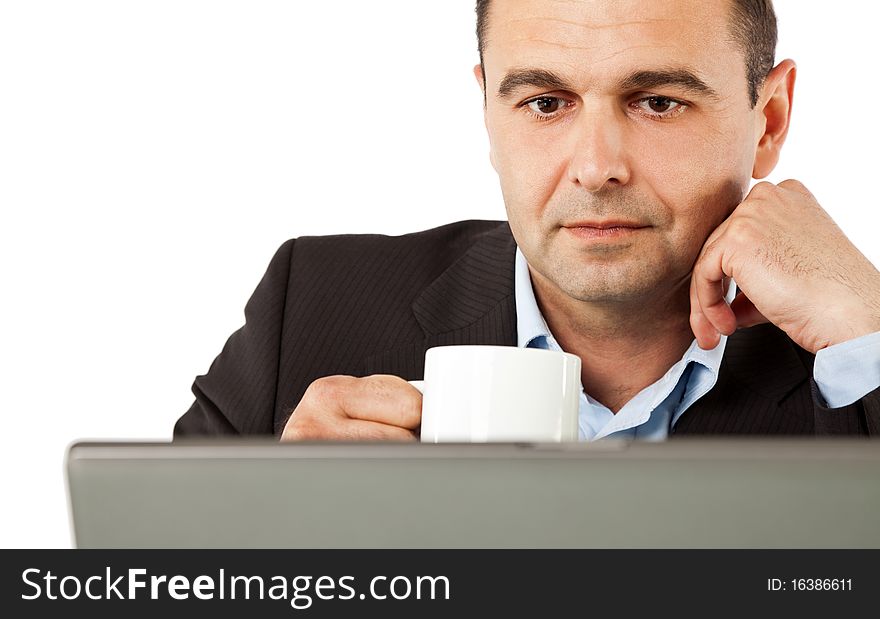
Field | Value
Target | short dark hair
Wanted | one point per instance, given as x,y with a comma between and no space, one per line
752,24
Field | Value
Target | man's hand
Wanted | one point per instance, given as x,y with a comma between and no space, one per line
378,407
795,268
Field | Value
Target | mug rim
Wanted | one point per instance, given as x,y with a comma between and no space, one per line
503,348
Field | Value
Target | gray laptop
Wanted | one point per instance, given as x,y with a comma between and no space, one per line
678,494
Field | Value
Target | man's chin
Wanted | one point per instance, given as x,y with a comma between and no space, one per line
612,296
612,283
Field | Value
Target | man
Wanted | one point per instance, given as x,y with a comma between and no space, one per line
624,135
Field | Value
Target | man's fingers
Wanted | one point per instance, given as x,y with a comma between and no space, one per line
708,290
706,335
710,315
356,409
344,429
360,430
747,315
703,330
794,185
380,398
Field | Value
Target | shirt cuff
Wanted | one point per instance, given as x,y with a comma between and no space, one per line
846,372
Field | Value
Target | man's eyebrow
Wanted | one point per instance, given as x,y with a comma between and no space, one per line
543,79
681,77
530,78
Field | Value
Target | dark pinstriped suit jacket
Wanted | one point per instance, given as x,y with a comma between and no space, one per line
370,304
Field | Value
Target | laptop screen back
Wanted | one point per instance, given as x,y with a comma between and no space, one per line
678,494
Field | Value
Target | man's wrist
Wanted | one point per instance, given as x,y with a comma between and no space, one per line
851,325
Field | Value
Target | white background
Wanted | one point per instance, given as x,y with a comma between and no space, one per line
154,154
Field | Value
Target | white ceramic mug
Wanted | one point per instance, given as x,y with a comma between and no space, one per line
482,394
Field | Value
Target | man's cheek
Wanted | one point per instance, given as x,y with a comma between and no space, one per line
714,205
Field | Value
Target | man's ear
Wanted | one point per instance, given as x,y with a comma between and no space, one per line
773,116
478,73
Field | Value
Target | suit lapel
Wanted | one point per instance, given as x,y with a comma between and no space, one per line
760,369
472,302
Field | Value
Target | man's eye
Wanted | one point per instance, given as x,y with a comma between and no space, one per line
546,106
660,107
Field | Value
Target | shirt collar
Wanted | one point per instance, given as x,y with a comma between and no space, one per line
530,323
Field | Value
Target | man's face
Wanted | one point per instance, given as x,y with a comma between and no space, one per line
604,112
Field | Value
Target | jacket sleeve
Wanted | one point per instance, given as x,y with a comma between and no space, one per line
237,395
860,417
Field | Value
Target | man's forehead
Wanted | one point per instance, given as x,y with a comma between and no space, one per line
587,18
603,35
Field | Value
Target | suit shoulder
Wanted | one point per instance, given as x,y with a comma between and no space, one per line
427,251
453,235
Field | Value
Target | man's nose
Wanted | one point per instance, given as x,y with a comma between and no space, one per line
598,153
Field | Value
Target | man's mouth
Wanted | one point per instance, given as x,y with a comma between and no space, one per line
607,229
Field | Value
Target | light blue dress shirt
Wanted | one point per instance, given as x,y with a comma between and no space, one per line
843,373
